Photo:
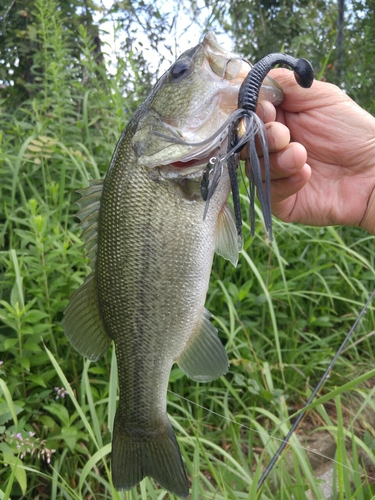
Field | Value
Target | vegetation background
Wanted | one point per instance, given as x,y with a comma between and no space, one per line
65,97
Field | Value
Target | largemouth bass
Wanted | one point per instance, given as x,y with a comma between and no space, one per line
151,252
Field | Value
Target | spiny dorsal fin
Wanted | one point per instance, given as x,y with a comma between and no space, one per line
82,321
204,358
228,243
88,213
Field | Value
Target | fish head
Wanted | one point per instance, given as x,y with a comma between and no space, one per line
181,125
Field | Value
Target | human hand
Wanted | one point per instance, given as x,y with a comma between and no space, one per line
328,175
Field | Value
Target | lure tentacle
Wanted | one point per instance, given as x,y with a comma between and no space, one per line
247,103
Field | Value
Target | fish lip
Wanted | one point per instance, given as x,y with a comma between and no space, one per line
177,173
220,59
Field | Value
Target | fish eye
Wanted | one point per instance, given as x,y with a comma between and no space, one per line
181,69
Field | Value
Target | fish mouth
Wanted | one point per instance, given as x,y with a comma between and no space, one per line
203,133
190,163
189,169
188,139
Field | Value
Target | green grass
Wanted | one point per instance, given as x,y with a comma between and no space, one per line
282,314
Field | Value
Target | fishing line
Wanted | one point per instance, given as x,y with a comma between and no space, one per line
314,393
285,441
275,438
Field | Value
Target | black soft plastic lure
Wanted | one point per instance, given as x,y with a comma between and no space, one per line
245,118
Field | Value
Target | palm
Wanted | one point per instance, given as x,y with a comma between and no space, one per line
339,138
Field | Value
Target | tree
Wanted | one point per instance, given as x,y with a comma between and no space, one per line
20,42
358,74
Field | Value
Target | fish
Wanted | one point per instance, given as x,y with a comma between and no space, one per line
151,239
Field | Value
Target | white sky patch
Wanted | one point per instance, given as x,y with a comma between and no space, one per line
184,34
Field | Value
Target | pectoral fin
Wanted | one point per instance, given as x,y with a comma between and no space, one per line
227,244
204,358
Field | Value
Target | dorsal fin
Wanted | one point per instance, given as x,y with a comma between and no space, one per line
89,205
82,321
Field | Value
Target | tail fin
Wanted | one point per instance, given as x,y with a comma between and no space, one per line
137,454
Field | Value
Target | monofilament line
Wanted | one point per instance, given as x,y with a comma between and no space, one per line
243,426
314,393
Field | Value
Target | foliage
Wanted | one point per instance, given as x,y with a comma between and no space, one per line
29,32
20,41
359,57
305,28
308,28
282,313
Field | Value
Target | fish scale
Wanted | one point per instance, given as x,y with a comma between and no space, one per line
151,316
165,285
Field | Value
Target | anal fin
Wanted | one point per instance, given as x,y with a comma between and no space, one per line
204,358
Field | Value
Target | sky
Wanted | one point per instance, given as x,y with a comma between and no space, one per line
184,35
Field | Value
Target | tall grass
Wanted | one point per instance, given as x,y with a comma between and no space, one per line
282,313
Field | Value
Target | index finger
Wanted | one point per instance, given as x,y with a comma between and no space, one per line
266,111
